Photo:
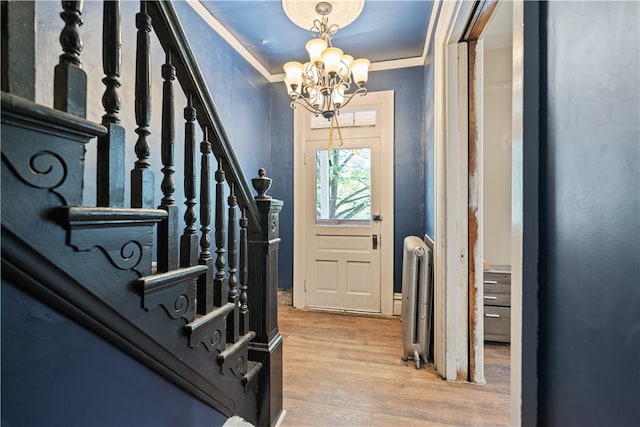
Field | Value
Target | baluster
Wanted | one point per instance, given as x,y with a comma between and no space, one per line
142,181
70,81
168,229
205,282
232,319
111,60
110,166
220,285
189,239
244,270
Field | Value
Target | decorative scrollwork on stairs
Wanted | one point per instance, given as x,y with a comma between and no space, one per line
210,342
175,291
127,257
124,235
208,329
46,170
181,307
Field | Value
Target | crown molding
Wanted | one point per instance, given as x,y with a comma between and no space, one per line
216,26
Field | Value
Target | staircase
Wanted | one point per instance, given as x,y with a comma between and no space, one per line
201,312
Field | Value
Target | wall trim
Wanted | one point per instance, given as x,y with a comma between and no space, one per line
397,304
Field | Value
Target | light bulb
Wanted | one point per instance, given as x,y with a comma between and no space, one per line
337,96
315,97
315,48
331,57
294,72
360,71
345,69
293,93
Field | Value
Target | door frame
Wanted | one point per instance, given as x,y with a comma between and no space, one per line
451,315
451,262
384,101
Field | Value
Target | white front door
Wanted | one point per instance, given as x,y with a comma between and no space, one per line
343,208
343,239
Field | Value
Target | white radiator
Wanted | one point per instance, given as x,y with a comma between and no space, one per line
417,300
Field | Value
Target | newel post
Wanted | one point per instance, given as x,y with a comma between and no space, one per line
266,348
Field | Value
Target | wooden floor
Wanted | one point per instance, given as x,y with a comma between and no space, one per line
343,370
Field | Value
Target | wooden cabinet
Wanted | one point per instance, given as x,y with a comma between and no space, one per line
497,305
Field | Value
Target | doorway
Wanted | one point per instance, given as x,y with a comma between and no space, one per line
343,208
489,39
459,334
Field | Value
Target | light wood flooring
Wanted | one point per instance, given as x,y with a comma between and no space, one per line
342,370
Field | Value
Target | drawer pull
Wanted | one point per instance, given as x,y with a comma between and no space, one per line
490,297
493,316
490,282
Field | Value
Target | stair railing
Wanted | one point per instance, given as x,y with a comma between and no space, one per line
251,241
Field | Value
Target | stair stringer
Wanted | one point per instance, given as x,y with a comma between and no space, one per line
83,282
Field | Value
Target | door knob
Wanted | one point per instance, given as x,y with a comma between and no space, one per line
375,241
377,218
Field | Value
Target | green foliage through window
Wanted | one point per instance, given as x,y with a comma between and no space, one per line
343,184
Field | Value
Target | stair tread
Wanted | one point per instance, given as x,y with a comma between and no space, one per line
212,315
231,348
93,214
173,276
26,109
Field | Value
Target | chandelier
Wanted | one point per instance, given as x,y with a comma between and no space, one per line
322,85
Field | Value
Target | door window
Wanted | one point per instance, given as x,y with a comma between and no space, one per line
343,186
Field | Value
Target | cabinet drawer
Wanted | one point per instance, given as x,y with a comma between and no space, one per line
497,294
492,277
497,324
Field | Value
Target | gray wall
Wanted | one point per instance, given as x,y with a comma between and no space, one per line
589,270
56,373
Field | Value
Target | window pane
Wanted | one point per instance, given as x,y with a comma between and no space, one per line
343,186
346,119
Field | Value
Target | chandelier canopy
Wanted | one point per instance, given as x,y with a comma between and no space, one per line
322,85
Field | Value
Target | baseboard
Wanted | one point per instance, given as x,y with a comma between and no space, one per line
281,418
285,297
397,304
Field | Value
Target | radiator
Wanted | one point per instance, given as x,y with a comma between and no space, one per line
417,300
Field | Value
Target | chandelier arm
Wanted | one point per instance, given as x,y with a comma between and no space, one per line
348,97
306,105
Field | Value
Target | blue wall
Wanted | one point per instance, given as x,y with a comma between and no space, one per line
409,162
282,175
240,93
589,262
56,373
409,154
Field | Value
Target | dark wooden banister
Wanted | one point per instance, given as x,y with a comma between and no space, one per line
240,325
171,35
